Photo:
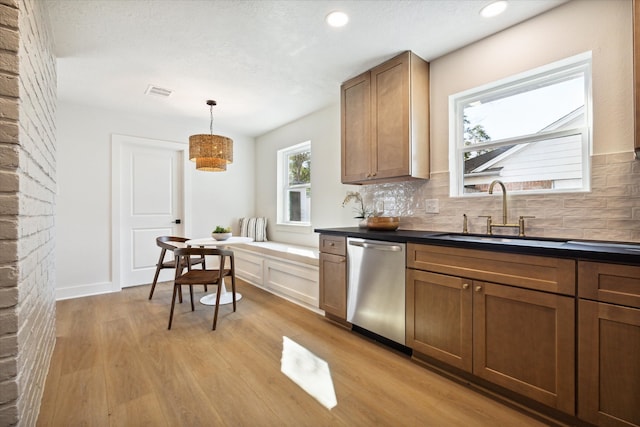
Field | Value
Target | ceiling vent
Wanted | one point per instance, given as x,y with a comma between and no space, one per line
158,91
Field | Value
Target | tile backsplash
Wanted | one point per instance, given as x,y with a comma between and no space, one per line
610,211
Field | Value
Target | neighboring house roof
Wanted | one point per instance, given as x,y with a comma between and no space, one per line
482,164
475,163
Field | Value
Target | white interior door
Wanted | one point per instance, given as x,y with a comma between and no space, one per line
151,200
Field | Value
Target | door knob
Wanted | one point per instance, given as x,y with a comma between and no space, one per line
478,288
177,221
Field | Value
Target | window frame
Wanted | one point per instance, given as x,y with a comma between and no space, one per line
283,184
554,72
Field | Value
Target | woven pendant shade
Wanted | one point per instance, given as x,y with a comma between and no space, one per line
211,152
211,164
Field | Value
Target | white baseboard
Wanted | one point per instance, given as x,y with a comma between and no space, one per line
85,290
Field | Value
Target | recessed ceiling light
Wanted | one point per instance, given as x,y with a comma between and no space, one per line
337,19
493,9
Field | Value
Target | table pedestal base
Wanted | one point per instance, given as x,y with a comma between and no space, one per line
225,298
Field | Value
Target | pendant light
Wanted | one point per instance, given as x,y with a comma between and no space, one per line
211,152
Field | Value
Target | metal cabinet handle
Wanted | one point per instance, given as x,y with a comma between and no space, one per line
478,288
392,248
465,286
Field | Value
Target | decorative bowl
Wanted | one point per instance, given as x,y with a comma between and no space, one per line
221,236
383,223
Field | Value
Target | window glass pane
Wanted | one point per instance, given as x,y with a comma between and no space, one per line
299,202
299,168
547,164
294,185
525,111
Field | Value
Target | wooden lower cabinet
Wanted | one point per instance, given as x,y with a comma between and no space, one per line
609,343
333,285
608,364
524,341
333,276
519,339
439,317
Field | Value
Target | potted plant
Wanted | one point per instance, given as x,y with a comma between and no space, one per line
221,233
361,211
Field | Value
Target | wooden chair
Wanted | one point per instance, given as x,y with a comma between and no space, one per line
164,242
203,277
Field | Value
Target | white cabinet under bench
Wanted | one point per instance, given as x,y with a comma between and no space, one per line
289,271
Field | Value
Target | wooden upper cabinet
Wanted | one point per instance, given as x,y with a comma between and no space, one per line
636,74
385,122
390,119
356,128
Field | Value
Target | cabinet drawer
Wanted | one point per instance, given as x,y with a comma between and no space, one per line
336,245
525,271
613,283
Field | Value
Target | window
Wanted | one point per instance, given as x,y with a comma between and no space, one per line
531,131
294,184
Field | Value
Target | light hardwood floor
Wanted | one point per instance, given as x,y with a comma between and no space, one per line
116,364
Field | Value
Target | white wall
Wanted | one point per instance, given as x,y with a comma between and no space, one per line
27,209
600,26
322,128
83,219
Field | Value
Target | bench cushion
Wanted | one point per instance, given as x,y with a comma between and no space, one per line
304,254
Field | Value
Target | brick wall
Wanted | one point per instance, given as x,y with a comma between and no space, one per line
611,211
27,208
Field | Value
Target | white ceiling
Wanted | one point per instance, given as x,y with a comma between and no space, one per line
265,62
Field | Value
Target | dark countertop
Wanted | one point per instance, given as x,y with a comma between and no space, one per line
627,253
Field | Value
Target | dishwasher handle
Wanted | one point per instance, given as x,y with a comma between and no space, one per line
378,247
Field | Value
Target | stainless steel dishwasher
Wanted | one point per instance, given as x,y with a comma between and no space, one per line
376,287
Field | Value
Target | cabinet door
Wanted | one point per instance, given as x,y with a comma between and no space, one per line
608,364
333,285
356,129
439,317
390,102
524,341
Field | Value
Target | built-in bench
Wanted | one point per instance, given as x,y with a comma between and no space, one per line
287,270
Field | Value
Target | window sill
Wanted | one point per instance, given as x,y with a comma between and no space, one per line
294,228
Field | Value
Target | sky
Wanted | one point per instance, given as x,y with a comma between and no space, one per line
528,112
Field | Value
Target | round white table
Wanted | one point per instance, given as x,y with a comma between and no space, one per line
225,297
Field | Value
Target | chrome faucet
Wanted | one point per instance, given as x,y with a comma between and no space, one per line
490,225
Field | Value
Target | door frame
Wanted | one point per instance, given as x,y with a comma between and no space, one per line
117,143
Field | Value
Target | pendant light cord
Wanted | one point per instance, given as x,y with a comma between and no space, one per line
211,122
